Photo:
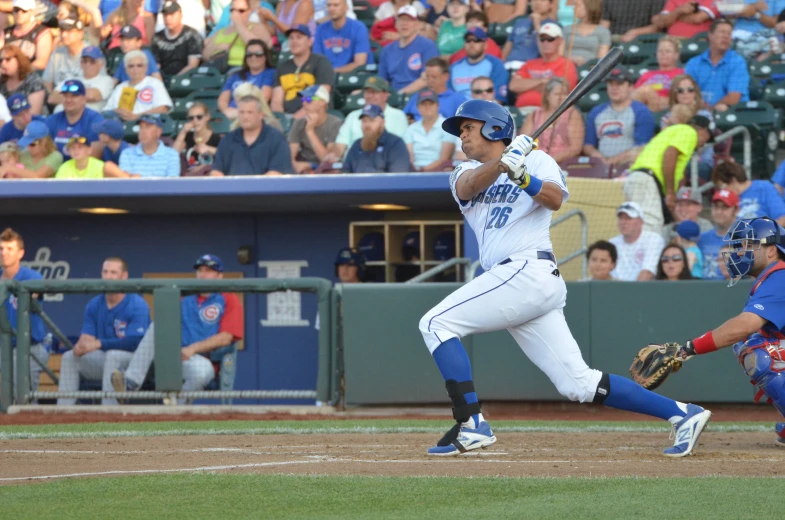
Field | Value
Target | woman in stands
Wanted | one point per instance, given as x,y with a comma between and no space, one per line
39,158
257,70
653,88
564,139
289,13
30,35
197,139
590,40
130,12
673,264
234,37
17,77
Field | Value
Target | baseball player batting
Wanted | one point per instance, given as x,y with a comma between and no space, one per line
521,290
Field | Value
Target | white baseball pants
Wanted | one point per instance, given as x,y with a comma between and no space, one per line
525,298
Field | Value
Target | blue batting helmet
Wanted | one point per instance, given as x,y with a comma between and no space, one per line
499,125
747,236
351,256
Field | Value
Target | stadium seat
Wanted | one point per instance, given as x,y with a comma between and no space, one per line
771,69
636,71
584,69
200,78
365,12
351,81
641,49
396,100
764,123
286,121
353,102
658,118
208,97
596,96
756,89
220,124
585,167
517,116
693,46
774,93
114,58
499,32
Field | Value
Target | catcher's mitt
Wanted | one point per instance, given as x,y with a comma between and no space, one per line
653,364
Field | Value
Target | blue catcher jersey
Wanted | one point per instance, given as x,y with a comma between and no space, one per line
767,298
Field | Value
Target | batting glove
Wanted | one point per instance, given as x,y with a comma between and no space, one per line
523,143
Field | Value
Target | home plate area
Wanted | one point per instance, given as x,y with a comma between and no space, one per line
516,454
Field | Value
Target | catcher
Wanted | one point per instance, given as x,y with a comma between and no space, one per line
757,248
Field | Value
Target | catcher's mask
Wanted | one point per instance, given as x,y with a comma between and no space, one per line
744,239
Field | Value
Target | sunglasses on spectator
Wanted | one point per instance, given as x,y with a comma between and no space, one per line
684,90
69,88
19,10
472,40
197,116
257,54
547,39
237,10
674,258
134,65
80,140
478,91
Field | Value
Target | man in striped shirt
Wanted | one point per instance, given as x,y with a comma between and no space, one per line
150,158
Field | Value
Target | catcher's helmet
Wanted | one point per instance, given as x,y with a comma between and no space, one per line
351,256
499,125
747,236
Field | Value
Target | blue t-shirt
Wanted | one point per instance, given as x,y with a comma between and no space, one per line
768,300
716,81
778,178
107,6
710,244
118,328
62,131
775,7
264,78
449,101
114,157
390,156
11,133
462,73
340,46
37,330
402,66
761,199
152,67
524,40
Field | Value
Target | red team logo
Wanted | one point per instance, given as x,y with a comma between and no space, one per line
211,313
146,95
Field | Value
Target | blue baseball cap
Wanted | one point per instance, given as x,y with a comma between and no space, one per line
300,28
35,130
17,103
211,261
444,246
372,111
73,86
91,51
688,230
477,32
153,119
372,246
129,31
111,127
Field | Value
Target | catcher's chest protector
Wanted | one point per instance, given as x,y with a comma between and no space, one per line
763,359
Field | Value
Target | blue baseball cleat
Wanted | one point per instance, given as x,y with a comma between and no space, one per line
687,431
780,429
468,439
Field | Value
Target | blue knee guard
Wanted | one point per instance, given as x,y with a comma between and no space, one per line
763,360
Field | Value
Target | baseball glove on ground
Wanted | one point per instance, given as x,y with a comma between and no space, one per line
653,364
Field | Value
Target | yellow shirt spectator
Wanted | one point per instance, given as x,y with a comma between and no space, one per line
682,137
93,170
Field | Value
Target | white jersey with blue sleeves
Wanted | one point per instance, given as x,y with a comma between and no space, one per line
504,218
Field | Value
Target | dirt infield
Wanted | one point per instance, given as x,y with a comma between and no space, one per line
516,454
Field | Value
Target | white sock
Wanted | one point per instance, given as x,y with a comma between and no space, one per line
470,423
676,418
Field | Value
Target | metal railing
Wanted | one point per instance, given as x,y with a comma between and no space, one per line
694,177
444,266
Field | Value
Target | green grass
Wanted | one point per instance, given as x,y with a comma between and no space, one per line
145,429
222,496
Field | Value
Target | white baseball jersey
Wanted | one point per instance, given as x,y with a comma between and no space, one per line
504,218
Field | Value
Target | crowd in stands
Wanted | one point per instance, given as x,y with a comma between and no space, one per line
152,88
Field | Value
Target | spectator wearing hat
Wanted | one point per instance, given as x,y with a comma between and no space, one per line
210,321
601,260
65,61
521,44
687,234
82,165
402,63
124,13
30,35
638,249
628,20
478,19
150,158
19,117
617,131
98,84
255,148
111,133
75,119
192,16
39,158
478,63
177,47
720,72
724,212
303,69
430,147
529,83
151,94
437,77
376,91
342,40
758,198
377,151
256,70
686,18
241,30
659,170
131,40
687,207
310,135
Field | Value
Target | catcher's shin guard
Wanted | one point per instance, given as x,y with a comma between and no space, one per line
461,410
763,360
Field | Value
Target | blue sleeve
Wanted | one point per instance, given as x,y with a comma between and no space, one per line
363,42
692,68
90,318
774,202
134,331
778,178
739,80
501,77
318,46
383,72
430,51
51,123
398,157
268,76
644,123
768,302
591,129
281,159
229,82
